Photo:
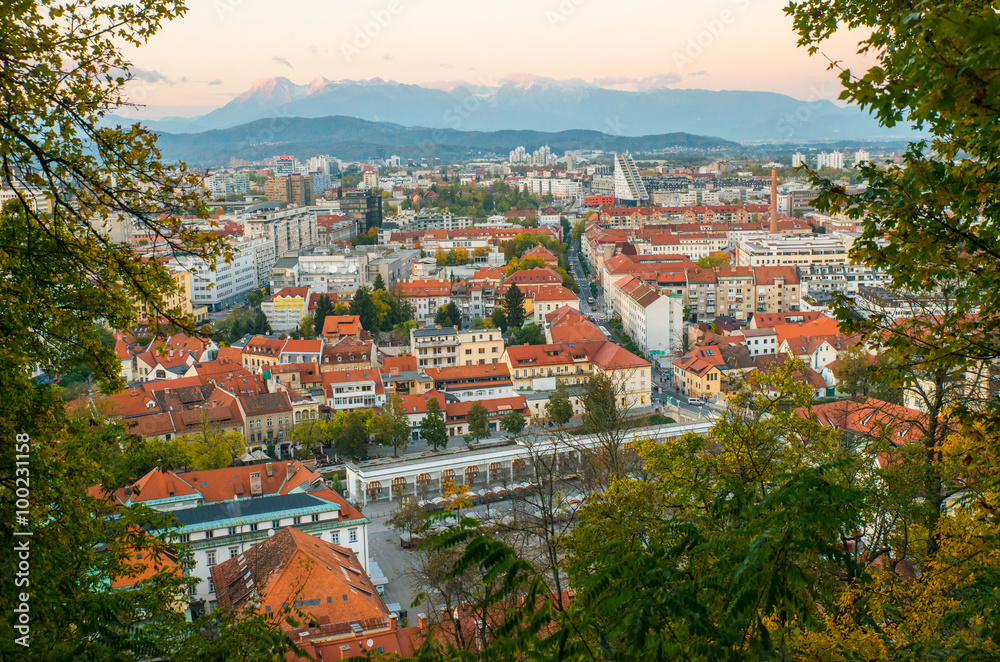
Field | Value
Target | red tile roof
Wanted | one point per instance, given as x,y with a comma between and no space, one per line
294,567
341,325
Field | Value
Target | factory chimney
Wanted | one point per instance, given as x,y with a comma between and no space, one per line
774,200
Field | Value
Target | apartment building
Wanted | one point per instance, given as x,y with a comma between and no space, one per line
800,251
290,230
439,347
286,308
294,189
426,295
353,389
537,368
653,320
224,512
226,283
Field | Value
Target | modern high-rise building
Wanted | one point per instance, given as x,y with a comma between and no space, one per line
220,185
284,165
861,156
363,208
628,181
798,159
241,183
834,160
294,189
370,179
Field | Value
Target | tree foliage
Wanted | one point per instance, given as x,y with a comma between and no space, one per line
392,427
433,427
364,307
479,421
448,315
513,422
714,260
559,409
324,308
513,307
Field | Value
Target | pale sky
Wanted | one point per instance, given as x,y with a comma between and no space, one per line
221,47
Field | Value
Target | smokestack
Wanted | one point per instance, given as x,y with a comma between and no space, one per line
774,200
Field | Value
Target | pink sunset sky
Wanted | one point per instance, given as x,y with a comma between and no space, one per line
216,51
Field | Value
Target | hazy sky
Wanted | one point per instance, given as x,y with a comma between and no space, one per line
221,47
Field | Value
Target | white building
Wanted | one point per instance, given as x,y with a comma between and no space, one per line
228,282
628,182
241,183
798,159
370,179
221,186
803,250
654,321
861,156
833,160
224,512
335,272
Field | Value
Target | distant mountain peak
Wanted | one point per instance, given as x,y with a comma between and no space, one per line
526,81
262,89
317,84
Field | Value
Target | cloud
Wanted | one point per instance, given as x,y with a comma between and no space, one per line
388,56
215,82
149,76
698,73
281,60
655,82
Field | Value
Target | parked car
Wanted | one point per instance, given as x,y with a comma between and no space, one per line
695,401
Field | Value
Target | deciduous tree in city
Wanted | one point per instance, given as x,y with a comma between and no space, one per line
392,427
433,427
559,409
479,421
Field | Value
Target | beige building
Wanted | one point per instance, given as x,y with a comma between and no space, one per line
442,347
291,189
180,299
804,250
538,368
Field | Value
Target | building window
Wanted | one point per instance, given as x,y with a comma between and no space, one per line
211,585
232,531
253,527
315,518
210,533
210,557
184,537
335,537
352,535
276,524
234,552
296,520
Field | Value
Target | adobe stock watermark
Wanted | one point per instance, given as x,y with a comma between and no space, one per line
22,539
365,34
223,7
562,12
796,119
712,29
266,132
454,117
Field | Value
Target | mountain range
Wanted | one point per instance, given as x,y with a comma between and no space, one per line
541,104
356,139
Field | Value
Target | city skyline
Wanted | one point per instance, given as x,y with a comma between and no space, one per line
692,47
